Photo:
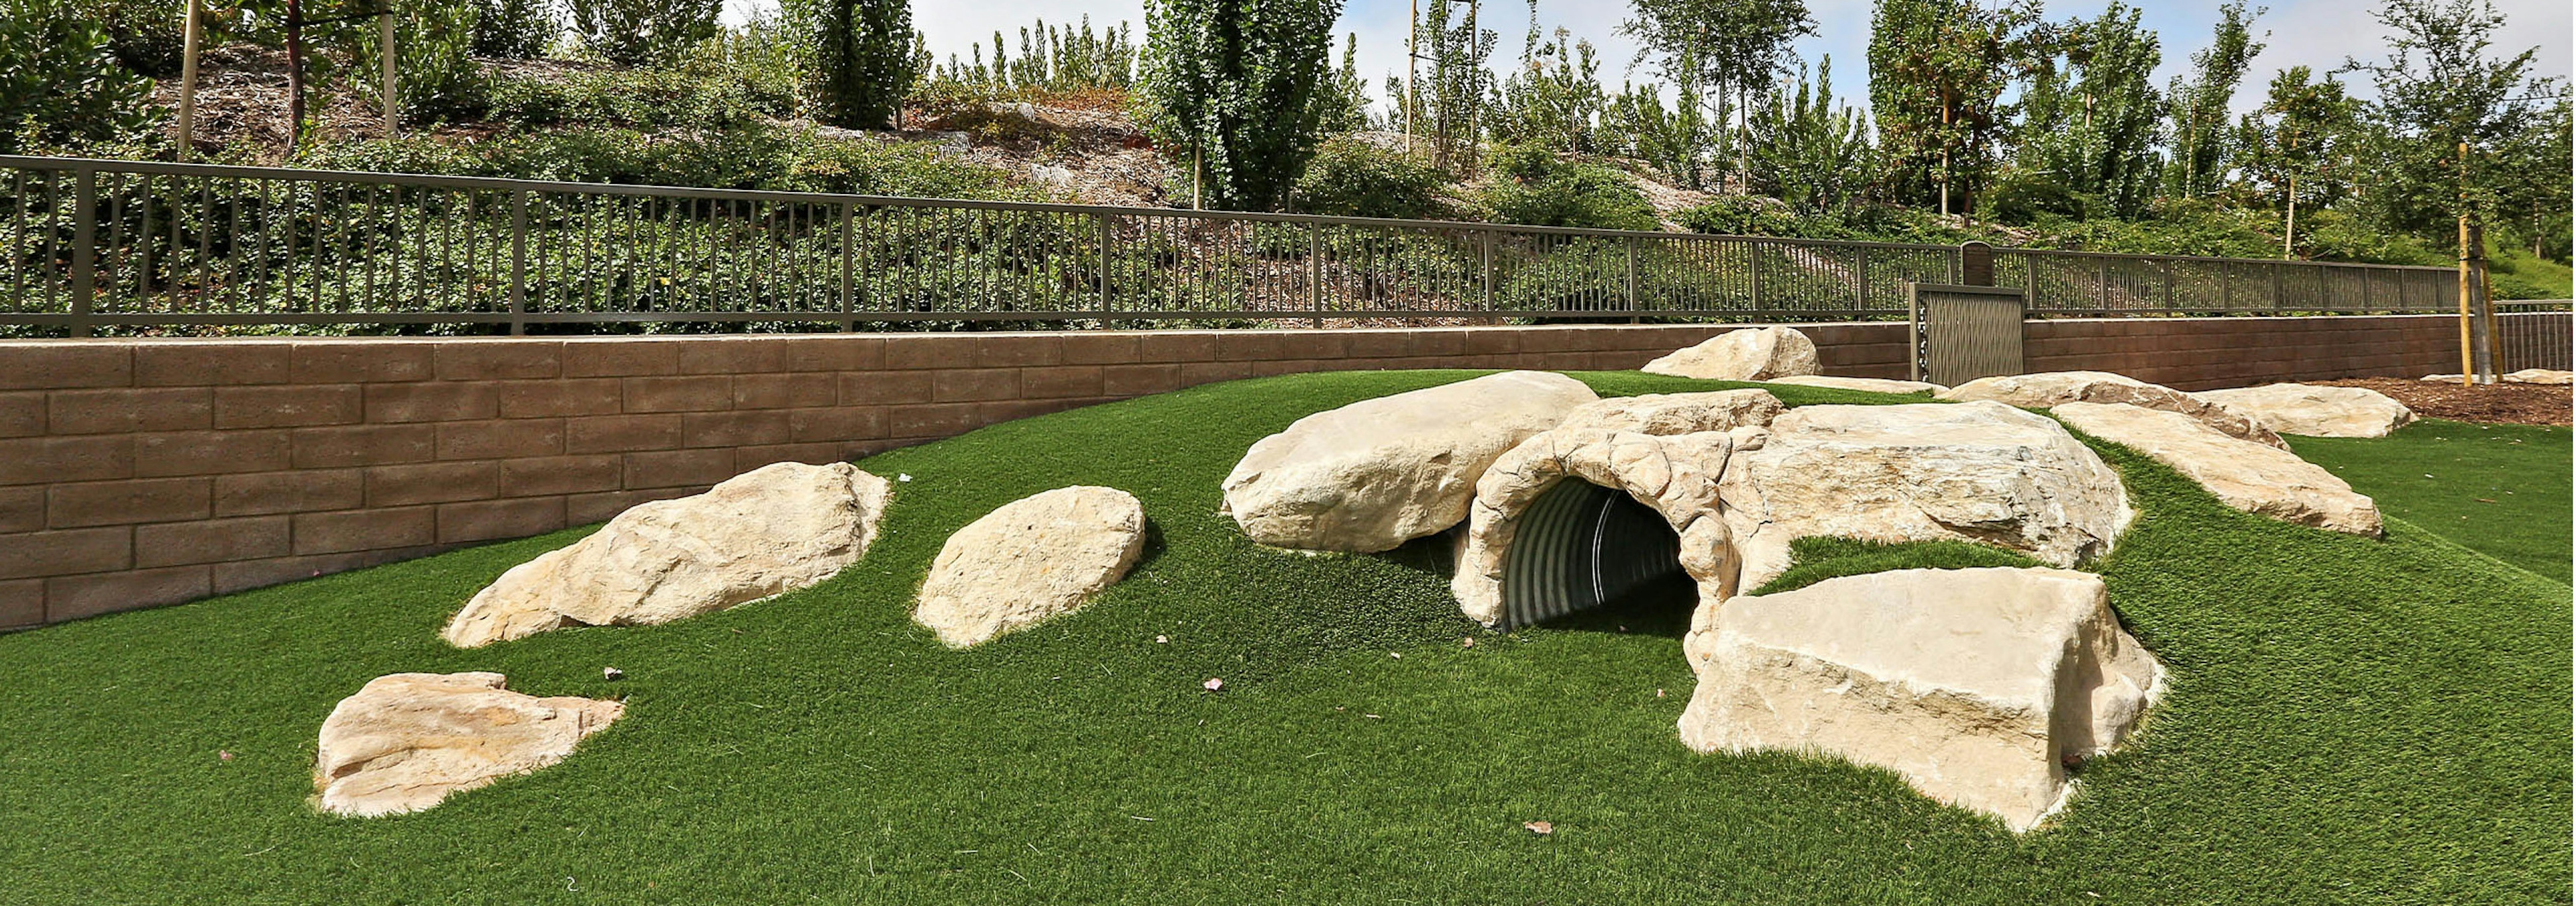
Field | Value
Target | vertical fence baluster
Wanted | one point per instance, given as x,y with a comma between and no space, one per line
518,262
84,255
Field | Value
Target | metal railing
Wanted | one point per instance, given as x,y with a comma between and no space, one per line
99,246
2534,335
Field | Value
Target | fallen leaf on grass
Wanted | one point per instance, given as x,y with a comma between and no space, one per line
1541,828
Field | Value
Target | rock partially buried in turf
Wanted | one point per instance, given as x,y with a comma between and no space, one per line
1374,474
1747,354
1975,685
1675,475
1034,558
2314,411
2539,376
1678,413
2244,475
765,532
1982,472
1867,385
408,740
2040,391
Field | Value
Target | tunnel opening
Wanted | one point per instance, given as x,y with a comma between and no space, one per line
1581,547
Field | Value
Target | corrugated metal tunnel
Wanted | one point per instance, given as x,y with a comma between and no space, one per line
1580,546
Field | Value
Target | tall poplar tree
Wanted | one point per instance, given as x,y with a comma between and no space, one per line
1937,74
2200,114
1241,86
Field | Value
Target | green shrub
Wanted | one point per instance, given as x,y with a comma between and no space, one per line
1533,186
2023,198
60,83
1745,215
1350,177
858,56
437,78
710,89
641,32
514,29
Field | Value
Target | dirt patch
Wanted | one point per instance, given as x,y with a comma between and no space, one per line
2494,404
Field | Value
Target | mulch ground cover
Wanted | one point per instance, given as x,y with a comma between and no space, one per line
2492,404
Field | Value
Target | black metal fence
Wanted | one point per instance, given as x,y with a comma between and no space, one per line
119,247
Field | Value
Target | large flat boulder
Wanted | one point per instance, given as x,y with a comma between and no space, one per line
2316,411
1975,685
1031,559
408,740
2539,376
1675,475
1377,473
1982,472
1748,354
2245,475
765,532
1678,413
1870,385
2041,391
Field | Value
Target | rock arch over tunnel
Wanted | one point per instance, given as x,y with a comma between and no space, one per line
1561,492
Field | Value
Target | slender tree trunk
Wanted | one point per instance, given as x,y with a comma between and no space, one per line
2290,218
294,76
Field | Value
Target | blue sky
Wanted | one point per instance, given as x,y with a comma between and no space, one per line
2318,33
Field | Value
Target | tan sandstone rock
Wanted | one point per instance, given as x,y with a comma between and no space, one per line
765,532
407,740
1031,559
2539,376
2316,411
2040,391
1748,354
1870,385
1374,474
1973,684
1983,472
1678,413
1676,475
2244,475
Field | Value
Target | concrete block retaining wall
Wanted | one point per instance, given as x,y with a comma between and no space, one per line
135,473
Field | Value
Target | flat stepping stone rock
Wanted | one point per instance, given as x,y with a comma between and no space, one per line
1678,413
765,532
2041,391
2313,411
1675,475
1747,354
1377,473
1871,385
1983,472
1034,558
408,740
2540,376
1975,685
2245,475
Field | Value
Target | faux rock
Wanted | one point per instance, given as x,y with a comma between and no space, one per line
1678,413
2313,411
2041,391
1676,475
408,740
1871,385
1982,472
2245,475
1035,558
2539,376
1975,685
1748,354
1374,474
765,532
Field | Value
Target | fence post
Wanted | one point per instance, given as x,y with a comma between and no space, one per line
518,262
1488,243
1860,279
1753,262
2276,289
1104,270
1315,271
1632,279
849,238
2102,283
84,251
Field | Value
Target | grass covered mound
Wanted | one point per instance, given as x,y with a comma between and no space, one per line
2349,720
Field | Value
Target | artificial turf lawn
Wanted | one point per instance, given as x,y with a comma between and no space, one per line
2349,720
2501,490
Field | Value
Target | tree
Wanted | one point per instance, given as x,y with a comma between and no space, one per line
643,32
1937,74
1732,48
1451,114
1554,97
1346,104
433,46
60,82
2091,112
2200,106
1242,84
2439,89
861,62
2534,180
1808,150
2295,150
513,29
1637,124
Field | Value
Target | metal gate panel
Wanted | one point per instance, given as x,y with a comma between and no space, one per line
1962,333
2534,335
1579,546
